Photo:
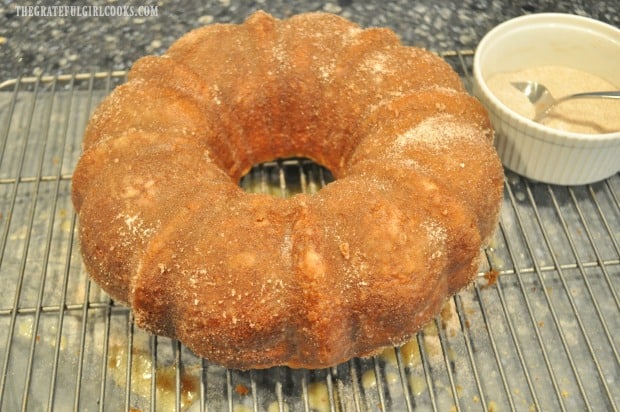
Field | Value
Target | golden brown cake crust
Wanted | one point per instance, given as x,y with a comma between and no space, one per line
253,281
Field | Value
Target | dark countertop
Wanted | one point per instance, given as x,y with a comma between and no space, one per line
32,45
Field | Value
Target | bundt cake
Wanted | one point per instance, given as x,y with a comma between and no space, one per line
251,280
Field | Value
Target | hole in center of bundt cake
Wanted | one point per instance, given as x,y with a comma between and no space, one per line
286,177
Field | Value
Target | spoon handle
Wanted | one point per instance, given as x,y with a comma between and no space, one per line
603,95
600,95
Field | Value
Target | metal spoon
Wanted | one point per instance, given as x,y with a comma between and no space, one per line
543,101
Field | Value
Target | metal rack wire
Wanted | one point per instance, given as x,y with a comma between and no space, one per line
537,330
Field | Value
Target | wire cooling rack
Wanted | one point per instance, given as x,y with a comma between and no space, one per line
537,330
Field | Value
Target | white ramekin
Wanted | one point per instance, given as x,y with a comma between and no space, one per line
529,148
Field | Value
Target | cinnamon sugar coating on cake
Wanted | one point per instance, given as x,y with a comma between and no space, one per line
254,281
